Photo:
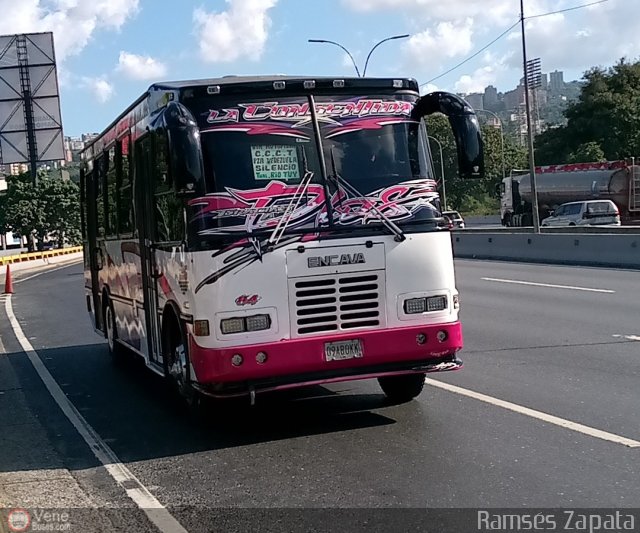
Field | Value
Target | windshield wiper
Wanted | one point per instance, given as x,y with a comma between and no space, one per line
337,180
287,216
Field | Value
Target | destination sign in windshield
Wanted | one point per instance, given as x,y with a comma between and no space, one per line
275,162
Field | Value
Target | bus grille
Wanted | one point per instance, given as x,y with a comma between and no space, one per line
343,303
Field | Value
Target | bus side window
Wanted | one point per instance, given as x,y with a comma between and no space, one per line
125,194
168,207
111,192
99,177
83,205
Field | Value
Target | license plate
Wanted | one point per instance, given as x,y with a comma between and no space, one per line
342,350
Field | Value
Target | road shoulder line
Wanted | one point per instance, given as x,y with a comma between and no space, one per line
140,495
532,413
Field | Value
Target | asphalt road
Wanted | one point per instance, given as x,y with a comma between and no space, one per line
568,352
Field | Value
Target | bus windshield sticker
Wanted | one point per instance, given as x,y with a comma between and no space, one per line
291,119
275,162
261,209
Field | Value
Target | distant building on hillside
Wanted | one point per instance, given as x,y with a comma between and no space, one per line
15,169
491,100
475,100
513,99
74,145
556,81
544,81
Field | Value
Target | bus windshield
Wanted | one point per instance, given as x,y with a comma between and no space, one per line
262,162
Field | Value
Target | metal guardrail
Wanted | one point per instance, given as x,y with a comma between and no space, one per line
32,256
615,230
604,249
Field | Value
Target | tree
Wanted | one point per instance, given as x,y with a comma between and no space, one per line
21,213
473,196
50,209
61,203
4,227
590,152
603,123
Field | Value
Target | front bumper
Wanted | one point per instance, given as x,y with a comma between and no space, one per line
301,362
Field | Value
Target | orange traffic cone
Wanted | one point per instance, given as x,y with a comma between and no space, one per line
8,282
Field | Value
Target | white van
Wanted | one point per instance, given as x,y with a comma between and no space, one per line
587,213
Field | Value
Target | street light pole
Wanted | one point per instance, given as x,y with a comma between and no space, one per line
532,164
501,137
393,38
444,192
339,46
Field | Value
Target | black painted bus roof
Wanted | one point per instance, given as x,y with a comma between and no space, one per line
256,80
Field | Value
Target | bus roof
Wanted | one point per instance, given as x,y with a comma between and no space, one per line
258,80
258,83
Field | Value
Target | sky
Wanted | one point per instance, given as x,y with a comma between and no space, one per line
110,51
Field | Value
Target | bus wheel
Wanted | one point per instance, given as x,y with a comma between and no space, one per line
116,350
176,364
401,389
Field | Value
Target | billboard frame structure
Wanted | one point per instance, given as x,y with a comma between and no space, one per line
30,115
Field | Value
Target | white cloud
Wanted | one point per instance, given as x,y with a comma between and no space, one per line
483,76
139,67
476,82
429,88
448,40
241,31
446,32
73,21
100,87
496,10
595,36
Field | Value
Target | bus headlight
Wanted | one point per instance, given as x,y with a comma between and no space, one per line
258,322
436,303
416,306
229,326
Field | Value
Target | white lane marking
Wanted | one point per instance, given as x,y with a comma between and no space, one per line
545,417
531,283
48,271
628,337
141,496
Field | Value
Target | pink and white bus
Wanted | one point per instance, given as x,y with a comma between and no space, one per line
253,234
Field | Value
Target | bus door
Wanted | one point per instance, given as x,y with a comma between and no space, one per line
93,256
145,180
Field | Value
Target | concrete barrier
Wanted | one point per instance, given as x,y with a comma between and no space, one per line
34,256
609,250
488,220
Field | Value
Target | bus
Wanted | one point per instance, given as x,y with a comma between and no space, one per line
252,234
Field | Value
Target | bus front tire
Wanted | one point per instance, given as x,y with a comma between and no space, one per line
176,365
401,389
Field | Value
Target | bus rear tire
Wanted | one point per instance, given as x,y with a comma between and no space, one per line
401,389
116,350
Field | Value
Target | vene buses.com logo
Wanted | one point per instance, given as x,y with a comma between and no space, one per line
18,520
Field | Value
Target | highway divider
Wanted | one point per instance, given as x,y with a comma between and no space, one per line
34,256
589,249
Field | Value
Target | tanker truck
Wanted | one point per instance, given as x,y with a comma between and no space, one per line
618,181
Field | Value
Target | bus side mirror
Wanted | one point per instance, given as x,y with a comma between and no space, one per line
187,168
465,126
